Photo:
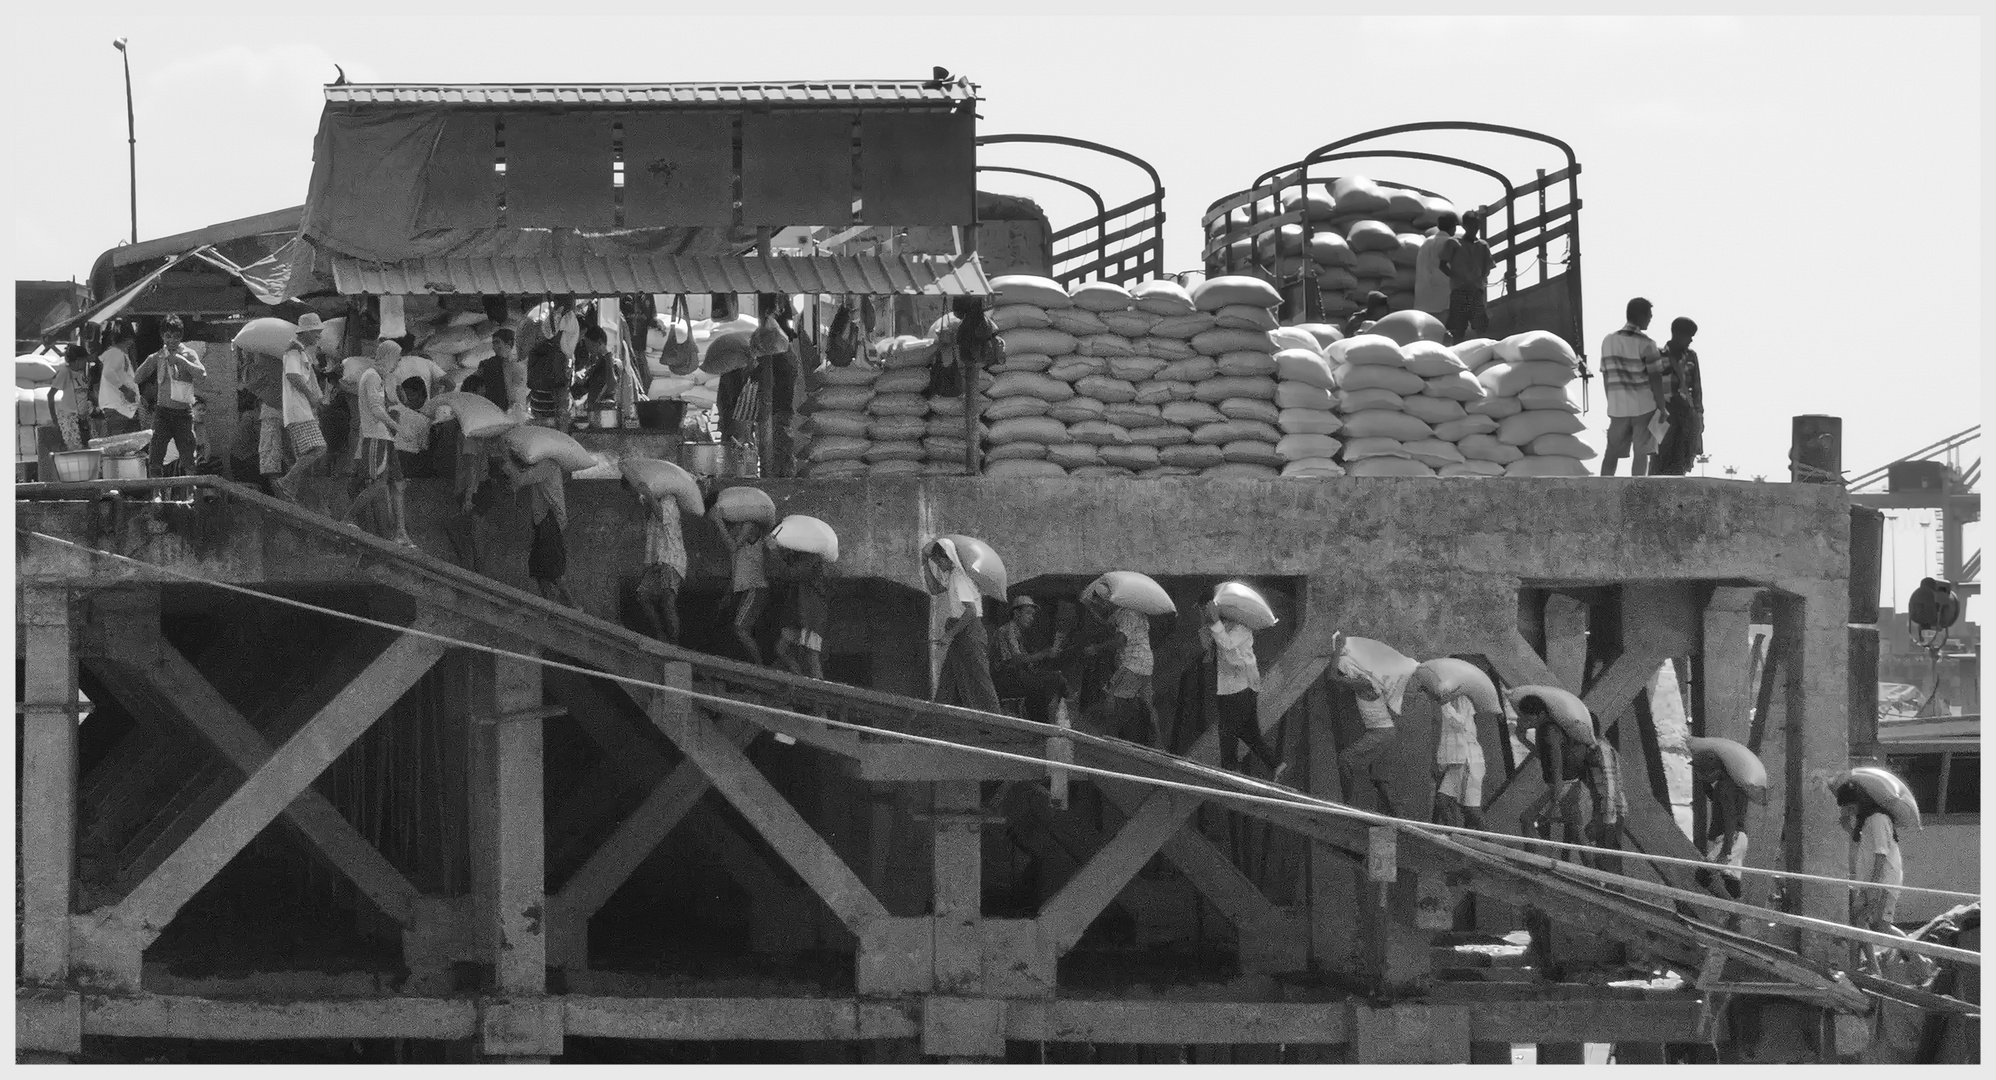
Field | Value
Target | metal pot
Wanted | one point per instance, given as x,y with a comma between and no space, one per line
605,417
702,459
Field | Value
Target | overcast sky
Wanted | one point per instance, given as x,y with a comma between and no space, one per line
1807,189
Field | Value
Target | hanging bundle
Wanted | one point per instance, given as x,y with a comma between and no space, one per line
679,357
842,341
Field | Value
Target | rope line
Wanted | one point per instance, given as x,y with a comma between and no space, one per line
1285,798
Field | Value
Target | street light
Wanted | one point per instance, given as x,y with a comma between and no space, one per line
131,134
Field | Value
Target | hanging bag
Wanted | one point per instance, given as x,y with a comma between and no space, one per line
679,357
842,341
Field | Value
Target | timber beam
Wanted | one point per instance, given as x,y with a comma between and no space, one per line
1432,1031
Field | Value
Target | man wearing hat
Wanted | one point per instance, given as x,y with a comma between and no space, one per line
1377,306
299,410
1017,670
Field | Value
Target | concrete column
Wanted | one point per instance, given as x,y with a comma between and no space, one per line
49,1021
1817,696
1725,690
958,1022
518,1025
1334,939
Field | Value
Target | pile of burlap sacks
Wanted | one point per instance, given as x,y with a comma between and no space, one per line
1363,237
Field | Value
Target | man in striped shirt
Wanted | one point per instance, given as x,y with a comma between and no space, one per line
1632,372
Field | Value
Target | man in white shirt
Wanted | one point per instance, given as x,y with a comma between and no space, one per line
1236,691
301,409
1379,696
1458,762
117,388
1431,284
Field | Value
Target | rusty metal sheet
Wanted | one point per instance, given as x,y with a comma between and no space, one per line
559,171
678,169
797,169
460,188
918,168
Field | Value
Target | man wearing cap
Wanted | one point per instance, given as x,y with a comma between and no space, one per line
298,411
1017,671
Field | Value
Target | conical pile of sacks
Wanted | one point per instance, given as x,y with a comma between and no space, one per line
874,417
1364,237
1149,380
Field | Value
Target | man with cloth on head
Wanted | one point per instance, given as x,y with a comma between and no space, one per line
965,675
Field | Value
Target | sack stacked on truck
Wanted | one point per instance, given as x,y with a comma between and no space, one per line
838,428
1528,378
1373,384
1018,429
1382,228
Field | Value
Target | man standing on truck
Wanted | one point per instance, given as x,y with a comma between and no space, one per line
1431,282
1467,263
1377,306
1632,372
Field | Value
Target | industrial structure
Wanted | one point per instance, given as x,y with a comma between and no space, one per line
335,796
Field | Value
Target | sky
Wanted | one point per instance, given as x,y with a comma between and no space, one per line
1799,186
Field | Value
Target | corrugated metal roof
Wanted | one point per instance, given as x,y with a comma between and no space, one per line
596,275
637,95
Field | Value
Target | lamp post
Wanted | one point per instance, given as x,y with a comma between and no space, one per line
131,134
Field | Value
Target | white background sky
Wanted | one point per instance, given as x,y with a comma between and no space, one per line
1807,189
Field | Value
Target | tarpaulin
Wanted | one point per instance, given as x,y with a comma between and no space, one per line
679,169
558,171
377,172
460,187
797,169
365,189
918,168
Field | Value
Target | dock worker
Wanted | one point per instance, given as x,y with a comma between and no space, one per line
965,675
1379,695
803,609
1126,709
117,389
748,579
1683,403
1431,282
1467,263
299,401
1459,763
69,398
1021,671
664,565
547,509
175,366
1236,691
476,486
501,378
1875,860
1725,829
1632,373
1583,797
1377,306
547,385
380,468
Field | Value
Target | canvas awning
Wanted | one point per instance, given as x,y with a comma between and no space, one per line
599,275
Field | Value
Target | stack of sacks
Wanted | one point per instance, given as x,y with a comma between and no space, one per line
1237,358
1020,431
1443,400
1526,377
943,440
1307,406
1380,437
898,411
838,429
